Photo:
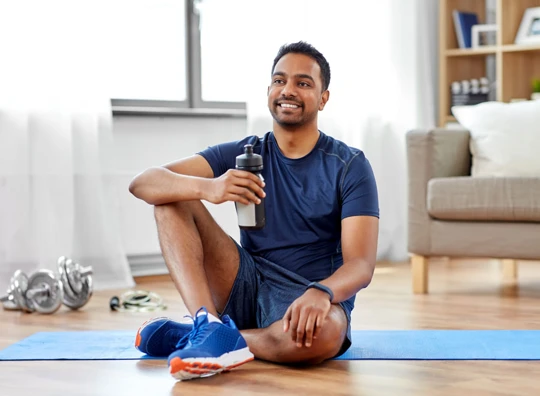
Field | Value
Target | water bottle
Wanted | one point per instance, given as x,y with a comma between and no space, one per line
251,216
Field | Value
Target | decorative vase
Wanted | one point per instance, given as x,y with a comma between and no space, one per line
535,96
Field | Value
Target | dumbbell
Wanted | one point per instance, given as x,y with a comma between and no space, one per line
15,300
76,281
45,292
42,292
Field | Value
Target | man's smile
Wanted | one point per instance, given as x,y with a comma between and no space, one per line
289,105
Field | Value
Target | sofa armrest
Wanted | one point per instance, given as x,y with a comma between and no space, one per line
431,153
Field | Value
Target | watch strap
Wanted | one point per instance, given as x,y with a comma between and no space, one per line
318,286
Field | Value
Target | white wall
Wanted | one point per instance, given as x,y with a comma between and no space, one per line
144,141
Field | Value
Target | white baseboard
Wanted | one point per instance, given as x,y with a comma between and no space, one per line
147,264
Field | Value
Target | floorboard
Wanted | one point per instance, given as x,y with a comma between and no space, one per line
464,294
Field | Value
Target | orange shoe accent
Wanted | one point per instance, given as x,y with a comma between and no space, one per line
178,364
238,364
138,337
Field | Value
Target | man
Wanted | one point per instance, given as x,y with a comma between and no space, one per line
287,293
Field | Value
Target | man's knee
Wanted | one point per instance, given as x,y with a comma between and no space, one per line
326,346
328,343
165,211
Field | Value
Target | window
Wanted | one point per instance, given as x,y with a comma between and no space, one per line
221,35
172,55
148,59
143,54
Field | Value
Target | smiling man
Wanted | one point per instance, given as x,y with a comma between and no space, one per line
285,293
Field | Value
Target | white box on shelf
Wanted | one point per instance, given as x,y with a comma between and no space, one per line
477,31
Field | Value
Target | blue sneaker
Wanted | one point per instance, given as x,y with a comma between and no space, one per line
210,348
159,336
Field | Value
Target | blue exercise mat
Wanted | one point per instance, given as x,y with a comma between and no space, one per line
367,345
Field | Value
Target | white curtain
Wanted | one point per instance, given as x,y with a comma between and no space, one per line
57,192
382,56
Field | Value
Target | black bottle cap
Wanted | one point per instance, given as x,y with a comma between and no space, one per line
249,160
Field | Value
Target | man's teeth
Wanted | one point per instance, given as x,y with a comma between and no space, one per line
289,106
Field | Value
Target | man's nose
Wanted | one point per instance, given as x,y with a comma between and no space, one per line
289,89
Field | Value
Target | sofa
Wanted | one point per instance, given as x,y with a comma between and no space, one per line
457,210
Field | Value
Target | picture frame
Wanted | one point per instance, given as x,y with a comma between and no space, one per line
484,35
529,29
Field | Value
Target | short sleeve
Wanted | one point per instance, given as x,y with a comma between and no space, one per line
359,195
222,157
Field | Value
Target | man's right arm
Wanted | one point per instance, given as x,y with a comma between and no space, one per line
181,180
192,178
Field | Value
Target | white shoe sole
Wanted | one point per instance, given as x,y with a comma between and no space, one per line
190,368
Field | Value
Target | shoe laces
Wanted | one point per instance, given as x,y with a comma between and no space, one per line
196,333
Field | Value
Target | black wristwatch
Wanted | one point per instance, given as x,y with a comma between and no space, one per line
317,285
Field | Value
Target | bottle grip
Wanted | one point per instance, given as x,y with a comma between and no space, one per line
246,214
251,216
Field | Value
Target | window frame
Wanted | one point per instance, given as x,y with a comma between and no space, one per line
194,105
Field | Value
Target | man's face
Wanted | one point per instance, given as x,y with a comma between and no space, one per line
295,94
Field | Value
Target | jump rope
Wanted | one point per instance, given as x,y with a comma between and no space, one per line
137,301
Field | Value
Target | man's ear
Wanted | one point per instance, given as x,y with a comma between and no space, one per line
324,98
268,91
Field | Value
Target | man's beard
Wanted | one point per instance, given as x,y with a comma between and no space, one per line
289,122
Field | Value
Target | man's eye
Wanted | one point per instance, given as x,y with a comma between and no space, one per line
304,84
278,81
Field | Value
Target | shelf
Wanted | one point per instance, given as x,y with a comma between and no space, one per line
492,49
510,67
520,48
487,50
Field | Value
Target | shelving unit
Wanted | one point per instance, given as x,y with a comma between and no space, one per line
515,65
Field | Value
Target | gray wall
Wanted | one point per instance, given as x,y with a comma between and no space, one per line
143,141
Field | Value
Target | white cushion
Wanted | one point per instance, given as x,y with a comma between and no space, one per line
505,137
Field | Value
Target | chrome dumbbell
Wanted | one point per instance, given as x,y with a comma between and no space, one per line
45,292
76,281
42,292
15,297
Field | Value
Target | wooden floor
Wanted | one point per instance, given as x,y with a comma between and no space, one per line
463,295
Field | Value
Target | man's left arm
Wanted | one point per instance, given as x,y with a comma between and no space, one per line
305,317
359,237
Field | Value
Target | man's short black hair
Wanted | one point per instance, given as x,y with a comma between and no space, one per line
302,47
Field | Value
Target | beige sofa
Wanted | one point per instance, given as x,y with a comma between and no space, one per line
452,214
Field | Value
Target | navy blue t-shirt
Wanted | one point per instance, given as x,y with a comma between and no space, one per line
306,199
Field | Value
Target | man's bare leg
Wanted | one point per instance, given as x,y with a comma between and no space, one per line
202,259
272,344
203,262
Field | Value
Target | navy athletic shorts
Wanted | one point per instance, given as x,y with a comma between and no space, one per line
263,291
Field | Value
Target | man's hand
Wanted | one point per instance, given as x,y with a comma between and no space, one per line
306,315
235,185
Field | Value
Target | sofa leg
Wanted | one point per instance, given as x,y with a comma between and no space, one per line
509,270
419,274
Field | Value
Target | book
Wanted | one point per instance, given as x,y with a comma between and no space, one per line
463,23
